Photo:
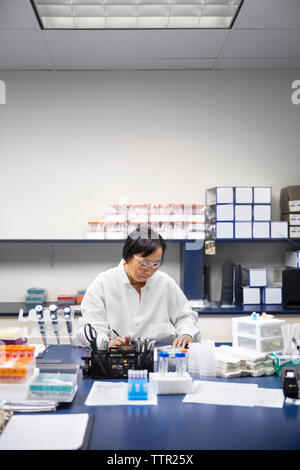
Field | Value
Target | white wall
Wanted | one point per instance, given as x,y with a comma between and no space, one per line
71,141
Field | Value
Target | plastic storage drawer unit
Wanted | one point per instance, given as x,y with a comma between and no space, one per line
259,334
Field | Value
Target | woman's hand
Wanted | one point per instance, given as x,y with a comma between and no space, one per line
182,341
120,341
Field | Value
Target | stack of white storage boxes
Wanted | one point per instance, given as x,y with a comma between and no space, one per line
258,290
259,334
244,212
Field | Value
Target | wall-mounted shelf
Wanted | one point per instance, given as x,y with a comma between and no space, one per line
11,309
258,240
246,310
191,261
80,240
191,267
170,240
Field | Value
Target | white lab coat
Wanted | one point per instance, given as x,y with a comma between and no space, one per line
161,312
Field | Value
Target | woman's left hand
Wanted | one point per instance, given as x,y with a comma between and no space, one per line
182,341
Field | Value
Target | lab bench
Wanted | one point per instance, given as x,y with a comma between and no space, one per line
173,425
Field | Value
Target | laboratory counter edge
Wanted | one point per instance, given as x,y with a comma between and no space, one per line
173,425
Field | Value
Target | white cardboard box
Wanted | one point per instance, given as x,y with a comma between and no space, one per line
243,195
219,195
261,229
292,259
243,230
279,230
258,277
293,219
294,206
251,295
262,212
170,383
294,232
224,212
262,195
272,295
243,212
224,230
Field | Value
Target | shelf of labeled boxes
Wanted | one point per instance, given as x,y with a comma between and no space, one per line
171,221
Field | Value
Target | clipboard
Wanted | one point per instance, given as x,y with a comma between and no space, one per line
47,432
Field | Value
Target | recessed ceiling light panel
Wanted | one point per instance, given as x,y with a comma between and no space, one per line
136,14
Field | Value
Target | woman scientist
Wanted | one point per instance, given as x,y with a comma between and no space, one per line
136,300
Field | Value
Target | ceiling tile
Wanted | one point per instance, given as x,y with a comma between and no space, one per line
22,44
269,14
137,44
263,43
15,14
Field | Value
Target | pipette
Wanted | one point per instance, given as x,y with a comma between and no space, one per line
53,316
39,311
68,318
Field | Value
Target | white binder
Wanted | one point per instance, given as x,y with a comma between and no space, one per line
47,432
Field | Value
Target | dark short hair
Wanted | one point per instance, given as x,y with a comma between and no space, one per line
143,240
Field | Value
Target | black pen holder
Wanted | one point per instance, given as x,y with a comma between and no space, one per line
116,362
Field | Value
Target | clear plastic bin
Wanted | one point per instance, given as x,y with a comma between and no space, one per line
260,327
154,213
18,351
134,225
17,370
165,230
199,213
53,386
165,213
93,226
177,212
261,345
116,231
179,230
116,213
264,331
188,213
138,213
156,226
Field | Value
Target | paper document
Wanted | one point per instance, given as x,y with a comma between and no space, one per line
234,394
114,393
270,397
220,393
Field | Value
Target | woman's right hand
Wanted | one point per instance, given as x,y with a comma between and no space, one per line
120,341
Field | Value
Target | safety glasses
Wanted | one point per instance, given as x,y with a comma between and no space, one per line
148,264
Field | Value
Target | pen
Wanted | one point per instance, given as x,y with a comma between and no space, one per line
127,338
